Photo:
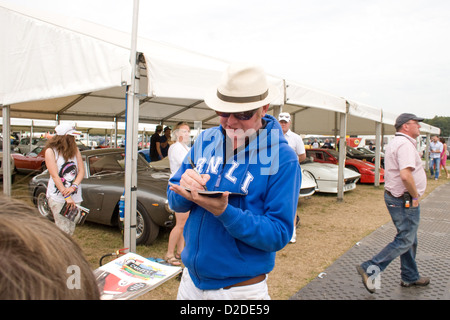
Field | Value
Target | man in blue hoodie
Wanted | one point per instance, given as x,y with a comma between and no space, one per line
232,237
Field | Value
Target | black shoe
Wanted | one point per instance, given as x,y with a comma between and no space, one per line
365,279
422,282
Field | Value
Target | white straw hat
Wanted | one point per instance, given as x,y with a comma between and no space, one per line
243,87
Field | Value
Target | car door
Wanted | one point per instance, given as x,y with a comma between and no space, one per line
101,190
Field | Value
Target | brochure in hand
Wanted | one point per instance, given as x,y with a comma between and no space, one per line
132,275
214,193
74,213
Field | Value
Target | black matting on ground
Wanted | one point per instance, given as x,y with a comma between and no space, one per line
341,281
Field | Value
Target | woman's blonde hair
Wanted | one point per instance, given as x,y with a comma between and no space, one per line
37,259
177,128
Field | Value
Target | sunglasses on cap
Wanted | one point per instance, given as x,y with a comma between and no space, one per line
246,115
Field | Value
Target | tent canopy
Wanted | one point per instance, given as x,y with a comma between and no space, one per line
76,70
59,68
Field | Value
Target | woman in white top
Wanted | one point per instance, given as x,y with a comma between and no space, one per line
177,153
66,169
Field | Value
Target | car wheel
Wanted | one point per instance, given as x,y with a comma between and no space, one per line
146,230
40,199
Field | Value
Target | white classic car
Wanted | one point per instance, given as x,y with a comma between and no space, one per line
326,176
308,186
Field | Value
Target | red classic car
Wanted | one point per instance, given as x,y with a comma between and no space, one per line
365,168
33,161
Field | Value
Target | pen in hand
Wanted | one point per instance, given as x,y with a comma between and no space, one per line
195,169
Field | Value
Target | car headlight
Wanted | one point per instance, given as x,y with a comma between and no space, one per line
167,207
308,174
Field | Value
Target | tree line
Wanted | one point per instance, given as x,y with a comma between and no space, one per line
441,122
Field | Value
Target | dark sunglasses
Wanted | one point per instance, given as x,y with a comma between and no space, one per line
246,115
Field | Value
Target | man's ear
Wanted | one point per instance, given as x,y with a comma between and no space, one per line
264,110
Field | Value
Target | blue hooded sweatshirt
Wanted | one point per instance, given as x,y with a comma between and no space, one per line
239,244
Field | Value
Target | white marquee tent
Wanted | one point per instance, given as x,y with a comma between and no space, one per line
59,68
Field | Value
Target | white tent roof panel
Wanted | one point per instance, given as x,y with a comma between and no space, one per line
92,105
45,61
83,78
300,95
362,118
157,111
364,111
312,120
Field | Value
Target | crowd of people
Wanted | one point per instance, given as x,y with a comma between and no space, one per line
225,191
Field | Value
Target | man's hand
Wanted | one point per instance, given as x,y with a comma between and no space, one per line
194,181
408,182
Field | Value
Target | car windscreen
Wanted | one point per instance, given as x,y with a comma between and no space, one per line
112,163
334,153
354,152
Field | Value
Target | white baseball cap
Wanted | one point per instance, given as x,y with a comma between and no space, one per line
66,129
284,116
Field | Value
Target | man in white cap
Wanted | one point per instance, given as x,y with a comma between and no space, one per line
232,238
296,143
294,140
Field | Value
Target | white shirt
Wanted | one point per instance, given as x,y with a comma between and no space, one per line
295,142
177,153
401,153
67,171
436,146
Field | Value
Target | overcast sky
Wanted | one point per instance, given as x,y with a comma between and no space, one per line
392,54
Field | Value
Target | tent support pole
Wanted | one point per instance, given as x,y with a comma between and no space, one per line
342,154
31,135
377,153
6,150
131,142
427,152
115,132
